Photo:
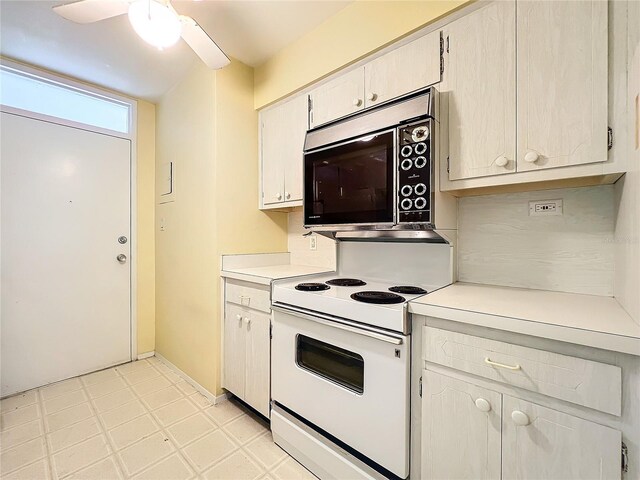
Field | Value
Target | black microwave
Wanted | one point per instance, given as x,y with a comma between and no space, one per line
373,170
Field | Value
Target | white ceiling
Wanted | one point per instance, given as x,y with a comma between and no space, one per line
110,54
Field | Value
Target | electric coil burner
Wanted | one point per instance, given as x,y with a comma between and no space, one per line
346,282
408,290
312,287
377,297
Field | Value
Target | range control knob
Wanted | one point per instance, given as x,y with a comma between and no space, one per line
420,133
406,203
420,203
420,148
406,190
406,164
406,151
420,162
420,189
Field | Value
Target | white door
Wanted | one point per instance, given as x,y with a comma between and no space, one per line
539,442
480,86
461,425
258,378
411,67
65,296
235,345
339,97
562,83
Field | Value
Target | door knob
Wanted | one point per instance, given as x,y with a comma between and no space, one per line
247,320
122,240
372,96
122,258
357,102
502,161
287,195
531,157
520,418
239,317
279,196
483,405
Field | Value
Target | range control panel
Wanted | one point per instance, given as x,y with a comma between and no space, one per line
414,173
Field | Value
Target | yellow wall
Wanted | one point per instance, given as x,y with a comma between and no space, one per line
207,126
145,252
354,32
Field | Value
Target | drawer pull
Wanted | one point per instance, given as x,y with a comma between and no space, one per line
488,361
243,298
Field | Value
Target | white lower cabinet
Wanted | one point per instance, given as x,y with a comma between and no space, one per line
460,429
539,442
471,432
247,356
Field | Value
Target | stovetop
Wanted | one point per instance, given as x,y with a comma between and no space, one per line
388,311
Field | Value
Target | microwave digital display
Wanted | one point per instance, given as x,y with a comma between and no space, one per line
351,183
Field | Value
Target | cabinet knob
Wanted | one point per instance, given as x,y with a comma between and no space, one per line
357,102
279,196
520,418
483,405
531,157
372,96
247,320
502,161
287,195
239,317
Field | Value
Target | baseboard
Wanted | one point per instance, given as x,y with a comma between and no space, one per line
144,355
215,399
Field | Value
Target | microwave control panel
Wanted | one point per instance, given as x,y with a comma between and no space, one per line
415,173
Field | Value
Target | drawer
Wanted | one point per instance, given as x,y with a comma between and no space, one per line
584,382
248,295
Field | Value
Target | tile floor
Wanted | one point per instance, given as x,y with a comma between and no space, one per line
139,420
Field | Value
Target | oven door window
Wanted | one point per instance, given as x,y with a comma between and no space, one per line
333,363
351,183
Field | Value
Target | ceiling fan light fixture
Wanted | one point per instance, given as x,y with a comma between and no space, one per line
155,22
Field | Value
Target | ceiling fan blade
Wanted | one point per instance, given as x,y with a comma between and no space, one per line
89,11
203,44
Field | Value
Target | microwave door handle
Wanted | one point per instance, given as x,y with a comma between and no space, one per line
336,323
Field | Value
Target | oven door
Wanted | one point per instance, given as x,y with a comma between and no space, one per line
351,183
351,382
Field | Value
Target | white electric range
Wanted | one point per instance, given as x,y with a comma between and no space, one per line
340,358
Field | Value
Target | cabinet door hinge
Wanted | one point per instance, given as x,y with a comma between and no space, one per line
270,330
448,166
441,54
625,458
447,43
420,386
609,138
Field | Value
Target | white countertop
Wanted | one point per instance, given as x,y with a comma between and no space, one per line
265,274
581,319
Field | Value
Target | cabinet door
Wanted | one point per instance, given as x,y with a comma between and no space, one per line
411,67
562,83
480,88
235,340
258,379
294,131
460,429
337,98
283,129
538,442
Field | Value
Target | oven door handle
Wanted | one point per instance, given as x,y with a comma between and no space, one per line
340,323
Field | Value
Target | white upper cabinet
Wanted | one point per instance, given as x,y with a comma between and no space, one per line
411,67
562,83
337,98
461,429
539,442
282,132
479,86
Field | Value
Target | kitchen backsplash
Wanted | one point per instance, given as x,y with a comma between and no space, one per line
501,244
323,256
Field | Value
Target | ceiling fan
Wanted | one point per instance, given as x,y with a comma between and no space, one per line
155,21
